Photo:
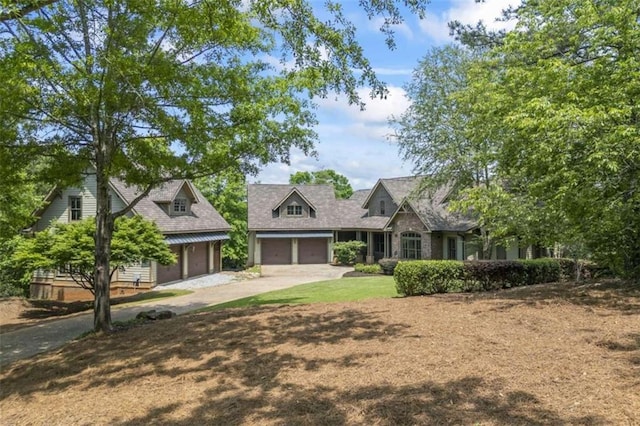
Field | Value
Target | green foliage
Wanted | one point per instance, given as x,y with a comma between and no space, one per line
428,276
334,291
228,194
71,247
367,269
388,265
559,93
448,276
14,277
340,183
347,251
149,91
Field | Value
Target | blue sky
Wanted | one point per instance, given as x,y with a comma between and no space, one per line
355,143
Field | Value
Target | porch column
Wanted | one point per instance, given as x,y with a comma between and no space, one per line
294,251
210,262
369,247
185,261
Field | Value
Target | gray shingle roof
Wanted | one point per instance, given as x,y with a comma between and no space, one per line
263,197
332,213
203,216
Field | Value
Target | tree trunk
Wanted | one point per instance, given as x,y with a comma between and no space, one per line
104,233
486,244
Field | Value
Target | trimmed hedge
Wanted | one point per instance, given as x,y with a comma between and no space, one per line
448,276
367,269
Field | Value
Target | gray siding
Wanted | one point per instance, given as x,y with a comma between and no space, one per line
380,194
295,199
58,209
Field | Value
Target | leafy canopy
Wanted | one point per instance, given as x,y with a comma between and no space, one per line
148,91
340,183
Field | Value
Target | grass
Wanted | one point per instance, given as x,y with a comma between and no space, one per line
340,290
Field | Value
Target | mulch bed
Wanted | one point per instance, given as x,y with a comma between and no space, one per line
555,354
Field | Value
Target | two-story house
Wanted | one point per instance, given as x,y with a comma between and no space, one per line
192,227
297,224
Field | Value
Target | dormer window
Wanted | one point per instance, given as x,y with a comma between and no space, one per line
179,206
294,210
382,209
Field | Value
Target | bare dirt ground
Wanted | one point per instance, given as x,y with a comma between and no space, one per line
540,355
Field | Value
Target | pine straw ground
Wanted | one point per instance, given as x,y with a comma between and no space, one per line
561,354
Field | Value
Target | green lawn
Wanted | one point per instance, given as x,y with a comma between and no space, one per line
151,295
340,290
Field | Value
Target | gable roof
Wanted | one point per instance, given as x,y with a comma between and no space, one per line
203,216
169,191
352,213
294,190
263,197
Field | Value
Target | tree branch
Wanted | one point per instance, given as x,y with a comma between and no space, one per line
20,12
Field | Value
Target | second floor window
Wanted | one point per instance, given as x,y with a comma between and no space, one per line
294,210
75,208
180,205
382,209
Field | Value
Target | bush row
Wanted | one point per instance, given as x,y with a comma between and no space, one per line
367,269
448,276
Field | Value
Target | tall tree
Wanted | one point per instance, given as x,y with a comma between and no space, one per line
147,91
227,192
562,91
340,183
436,135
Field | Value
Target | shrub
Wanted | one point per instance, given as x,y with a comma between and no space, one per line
429,276
368,269
446,276
388,265
347,251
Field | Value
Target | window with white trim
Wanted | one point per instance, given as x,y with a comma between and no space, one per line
294,210
382,207
411,243
75,208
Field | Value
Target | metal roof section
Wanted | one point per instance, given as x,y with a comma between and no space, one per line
294,234
196,238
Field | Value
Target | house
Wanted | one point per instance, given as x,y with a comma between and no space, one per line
297,224
192,227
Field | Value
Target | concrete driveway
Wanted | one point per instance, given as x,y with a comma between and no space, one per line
26,342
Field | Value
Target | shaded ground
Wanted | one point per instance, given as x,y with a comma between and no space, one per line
539,355
17,312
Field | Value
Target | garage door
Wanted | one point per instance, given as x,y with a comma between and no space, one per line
197,259
276,251
166,274
312,250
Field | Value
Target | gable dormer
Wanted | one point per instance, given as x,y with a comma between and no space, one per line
379,202
175,197
294,205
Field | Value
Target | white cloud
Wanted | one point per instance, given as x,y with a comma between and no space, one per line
402,28
467,12
376,110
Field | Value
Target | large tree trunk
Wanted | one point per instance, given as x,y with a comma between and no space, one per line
102,270
102,278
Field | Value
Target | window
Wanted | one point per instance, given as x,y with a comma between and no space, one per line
75,208
382,209
501,252
294,210
452,249
411,245
180,205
